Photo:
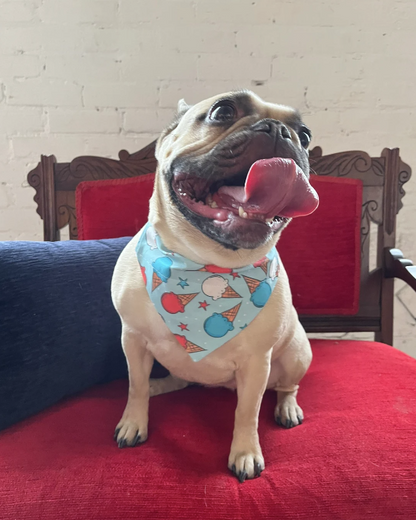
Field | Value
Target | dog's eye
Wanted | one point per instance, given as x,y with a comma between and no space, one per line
304,138
222,113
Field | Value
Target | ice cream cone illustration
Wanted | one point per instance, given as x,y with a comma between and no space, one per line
230,293
263,266
262,263
156,281
174,303
231,313
188,345
218,325
186,298
252,283
217,287
161,271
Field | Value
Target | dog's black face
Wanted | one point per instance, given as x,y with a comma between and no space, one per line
209,183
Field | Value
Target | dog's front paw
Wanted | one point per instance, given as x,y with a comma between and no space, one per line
130,432
288,413
246,464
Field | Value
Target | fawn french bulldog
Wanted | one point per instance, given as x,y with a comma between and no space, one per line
201,287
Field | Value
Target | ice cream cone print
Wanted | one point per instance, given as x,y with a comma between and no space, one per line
262,263
263,266
156,281
186,298
230,293
191,347
188,345
252,283
231,313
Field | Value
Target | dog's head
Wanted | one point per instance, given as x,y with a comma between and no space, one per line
236,168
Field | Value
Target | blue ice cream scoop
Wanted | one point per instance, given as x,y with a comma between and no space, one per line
217,325
161,267
261,294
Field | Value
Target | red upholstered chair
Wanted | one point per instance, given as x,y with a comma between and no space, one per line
354,457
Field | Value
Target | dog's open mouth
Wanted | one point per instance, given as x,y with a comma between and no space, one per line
270,192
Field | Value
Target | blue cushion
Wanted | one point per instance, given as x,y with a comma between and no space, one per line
59,332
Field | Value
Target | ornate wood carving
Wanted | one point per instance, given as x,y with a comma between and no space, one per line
66,212
89,168
355,165
43,180
404,176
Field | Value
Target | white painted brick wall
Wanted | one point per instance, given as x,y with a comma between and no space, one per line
97,76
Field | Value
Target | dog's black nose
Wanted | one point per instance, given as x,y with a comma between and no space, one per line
272,126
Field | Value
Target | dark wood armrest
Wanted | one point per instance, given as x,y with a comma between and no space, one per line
396,266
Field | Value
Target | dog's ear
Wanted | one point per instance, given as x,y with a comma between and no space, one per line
183,107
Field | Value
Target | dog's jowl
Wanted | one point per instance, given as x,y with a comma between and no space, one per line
232,172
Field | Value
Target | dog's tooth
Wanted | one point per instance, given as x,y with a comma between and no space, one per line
214,204
242,213
209,199
269,220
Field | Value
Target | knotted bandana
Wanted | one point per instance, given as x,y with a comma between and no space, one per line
203,305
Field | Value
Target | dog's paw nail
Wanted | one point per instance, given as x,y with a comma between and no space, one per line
122,443
116,432
233,469
242,475
136,439
257,469
278,420
289,424
300,419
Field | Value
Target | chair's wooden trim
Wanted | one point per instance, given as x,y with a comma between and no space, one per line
42,179
387,238
319,323
89,168
397,266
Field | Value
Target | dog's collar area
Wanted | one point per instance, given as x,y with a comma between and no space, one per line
204,306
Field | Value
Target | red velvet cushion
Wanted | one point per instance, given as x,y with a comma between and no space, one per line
321,252
353,458
113,208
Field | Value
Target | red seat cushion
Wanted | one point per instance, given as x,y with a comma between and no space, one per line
321,253
354,457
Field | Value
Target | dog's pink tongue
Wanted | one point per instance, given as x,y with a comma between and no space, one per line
275,187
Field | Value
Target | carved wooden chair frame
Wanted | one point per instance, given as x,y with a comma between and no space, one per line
383,179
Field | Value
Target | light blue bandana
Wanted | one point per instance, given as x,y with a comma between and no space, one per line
203,305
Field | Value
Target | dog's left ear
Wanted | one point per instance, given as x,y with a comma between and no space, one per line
183,107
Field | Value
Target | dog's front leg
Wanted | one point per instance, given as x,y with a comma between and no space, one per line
246,459
132,428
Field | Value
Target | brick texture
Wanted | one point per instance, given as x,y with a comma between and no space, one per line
93,77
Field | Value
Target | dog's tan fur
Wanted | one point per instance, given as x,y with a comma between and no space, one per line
272,352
